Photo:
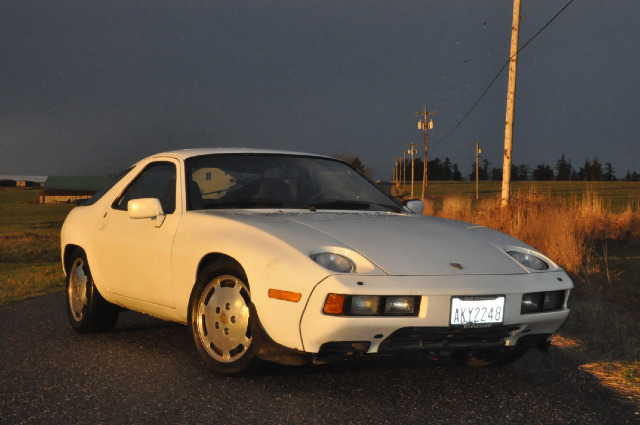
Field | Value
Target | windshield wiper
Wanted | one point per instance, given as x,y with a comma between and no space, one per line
250,203
339,204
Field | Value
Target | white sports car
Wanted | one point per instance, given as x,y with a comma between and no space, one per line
298,258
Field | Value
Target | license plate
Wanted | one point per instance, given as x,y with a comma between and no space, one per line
477,312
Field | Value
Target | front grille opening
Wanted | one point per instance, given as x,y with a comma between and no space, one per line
442,338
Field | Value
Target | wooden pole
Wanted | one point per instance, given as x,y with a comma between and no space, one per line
511,95
424,125
478,151
425,187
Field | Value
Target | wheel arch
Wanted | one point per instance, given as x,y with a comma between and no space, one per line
217,257
66,257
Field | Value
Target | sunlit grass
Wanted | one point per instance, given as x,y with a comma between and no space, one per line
23,281
29,245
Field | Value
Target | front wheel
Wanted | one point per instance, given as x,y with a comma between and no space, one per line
221,321
87,311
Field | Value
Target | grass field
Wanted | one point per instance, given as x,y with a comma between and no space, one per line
591,229
617,195
29,245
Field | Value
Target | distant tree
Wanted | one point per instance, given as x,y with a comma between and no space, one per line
437,169
483,172
472,175
591,171
456,175
418,169
542,172
404,169
447,172
632,177
563,169
485,169
434,169
496,174
609,174
355,162
595,173
440,170
358,165
582,172
523,172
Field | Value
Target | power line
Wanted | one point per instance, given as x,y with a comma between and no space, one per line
463,119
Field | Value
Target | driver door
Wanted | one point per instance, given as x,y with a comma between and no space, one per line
133,255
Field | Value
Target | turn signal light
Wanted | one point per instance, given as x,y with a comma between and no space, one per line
334,304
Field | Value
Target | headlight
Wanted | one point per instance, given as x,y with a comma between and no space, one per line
364,305
528,260
334,262
371,305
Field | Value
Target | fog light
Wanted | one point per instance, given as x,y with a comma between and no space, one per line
542,301
363,305
400,305
553,300
531,302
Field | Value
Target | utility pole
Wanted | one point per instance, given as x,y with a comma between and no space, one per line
426,125
478,152
395,173
396,176
412,151
511,95
404,171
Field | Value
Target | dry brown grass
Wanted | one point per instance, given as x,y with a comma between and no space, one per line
456,207
564,230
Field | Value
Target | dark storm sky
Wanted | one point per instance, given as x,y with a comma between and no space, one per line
89,87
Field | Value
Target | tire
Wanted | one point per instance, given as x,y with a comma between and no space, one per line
496,357
220,319
87,311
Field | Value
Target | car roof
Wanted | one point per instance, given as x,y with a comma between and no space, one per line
184,154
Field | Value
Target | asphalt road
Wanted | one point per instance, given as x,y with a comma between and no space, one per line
146,371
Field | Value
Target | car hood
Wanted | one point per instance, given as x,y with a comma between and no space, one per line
396,243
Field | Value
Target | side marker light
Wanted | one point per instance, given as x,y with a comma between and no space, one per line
285,295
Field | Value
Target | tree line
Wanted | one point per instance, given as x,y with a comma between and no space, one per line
591,170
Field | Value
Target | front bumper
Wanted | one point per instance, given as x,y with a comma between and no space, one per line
429,330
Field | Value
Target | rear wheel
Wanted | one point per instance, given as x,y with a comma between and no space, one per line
220,319
87,311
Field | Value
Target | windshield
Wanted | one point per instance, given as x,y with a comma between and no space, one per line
280,181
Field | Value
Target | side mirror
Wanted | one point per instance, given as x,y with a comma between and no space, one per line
415,206
146,208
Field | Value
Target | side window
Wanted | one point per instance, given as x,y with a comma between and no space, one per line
158,180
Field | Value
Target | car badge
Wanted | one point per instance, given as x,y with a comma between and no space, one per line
456,266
